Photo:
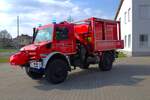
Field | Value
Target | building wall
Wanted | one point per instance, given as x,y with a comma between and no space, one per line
125,15
22,40
141,27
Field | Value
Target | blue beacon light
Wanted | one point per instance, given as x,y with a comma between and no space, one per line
54,21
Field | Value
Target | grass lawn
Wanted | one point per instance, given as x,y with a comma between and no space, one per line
4,59
121,55
7,50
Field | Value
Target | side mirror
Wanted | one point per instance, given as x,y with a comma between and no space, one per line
34,34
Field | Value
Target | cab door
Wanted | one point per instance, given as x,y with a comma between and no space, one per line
64,39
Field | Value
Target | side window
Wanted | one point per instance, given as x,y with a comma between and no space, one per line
129,40
125,17
125,40
129,14
62,33
143,40
144,12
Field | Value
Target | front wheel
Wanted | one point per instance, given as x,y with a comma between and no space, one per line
57,71
32,74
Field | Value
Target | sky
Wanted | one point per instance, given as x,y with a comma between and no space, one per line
34,12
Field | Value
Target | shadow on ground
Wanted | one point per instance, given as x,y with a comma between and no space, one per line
127,75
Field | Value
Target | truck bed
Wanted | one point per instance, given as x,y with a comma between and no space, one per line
106,35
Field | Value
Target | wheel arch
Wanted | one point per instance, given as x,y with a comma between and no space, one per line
57,55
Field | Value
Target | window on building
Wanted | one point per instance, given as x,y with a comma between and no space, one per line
125,17
144,12
129,14
129,41
125,41
120,19
143,40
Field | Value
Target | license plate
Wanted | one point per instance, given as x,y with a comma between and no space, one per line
35,64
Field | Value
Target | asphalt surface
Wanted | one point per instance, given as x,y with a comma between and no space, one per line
128,80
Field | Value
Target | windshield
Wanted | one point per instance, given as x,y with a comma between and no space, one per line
44,35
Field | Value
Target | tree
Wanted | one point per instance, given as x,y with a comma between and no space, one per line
5,39
5,35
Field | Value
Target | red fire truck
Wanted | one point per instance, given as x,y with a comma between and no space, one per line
59,48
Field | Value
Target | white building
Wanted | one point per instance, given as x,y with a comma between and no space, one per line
134,16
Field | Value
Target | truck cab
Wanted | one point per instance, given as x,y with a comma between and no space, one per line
55,38
52,41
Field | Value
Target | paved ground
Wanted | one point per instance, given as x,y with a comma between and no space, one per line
129,80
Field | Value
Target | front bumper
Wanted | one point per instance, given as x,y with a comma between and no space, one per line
19,58
22,59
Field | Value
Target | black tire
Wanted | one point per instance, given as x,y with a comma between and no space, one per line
33,75
106,62
57,71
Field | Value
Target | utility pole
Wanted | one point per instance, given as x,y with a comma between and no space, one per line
17,26
18,40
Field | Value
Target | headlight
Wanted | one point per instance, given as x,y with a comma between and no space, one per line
22,49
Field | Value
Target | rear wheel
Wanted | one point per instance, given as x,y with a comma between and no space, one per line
106,62
32,74
57,71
